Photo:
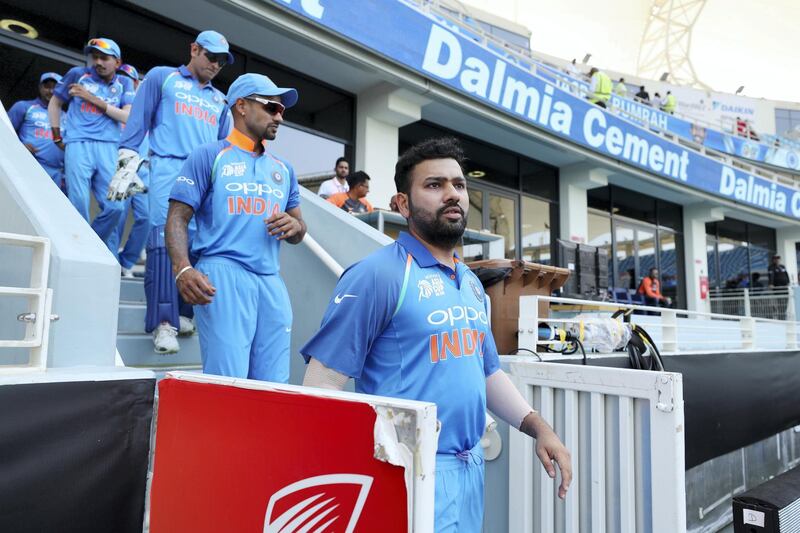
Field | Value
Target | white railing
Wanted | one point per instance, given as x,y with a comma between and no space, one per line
675,331
37,315
624,430
776,303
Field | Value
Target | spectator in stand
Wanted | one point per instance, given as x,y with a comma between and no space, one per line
338,183
178,109
669,103
650,288
643,96
99,104
741,127
621,89
600,88
756,282
354,201
777,273
572,69
30,121
139,204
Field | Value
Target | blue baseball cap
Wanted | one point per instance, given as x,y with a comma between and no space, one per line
50,76
129,70
258,84
103,45
215,43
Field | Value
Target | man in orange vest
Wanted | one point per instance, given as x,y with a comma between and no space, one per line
650,288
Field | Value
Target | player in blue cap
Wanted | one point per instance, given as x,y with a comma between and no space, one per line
410,321
245,202
180,110
32,124
139,204
99,101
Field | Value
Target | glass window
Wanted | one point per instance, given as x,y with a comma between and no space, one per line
599,198
502,214
668,264
733,263
633,205
535,231
711,257
539,179
600,236
309,153
490,164
625,255
646,253
474,252
670,215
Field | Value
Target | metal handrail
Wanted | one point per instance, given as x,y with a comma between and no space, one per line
38,315
666,320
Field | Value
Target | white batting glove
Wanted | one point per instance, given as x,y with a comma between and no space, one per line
125,181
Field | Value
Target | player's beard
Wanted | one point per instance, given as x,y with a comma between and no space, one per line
434,228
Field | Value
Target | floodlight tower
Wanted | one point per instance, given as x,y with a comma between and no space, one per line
667,42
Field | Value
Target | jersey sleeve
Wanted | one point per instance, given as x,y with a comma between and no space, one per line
128,92
62,88
361,308
194,179
17,114
491,360
294,189
143,110
224,123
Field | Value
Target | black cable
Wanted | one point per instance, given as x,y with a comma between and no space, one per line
515,352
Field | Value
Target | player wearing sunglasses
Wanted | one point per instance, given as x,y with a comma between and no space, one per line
181,110
245,202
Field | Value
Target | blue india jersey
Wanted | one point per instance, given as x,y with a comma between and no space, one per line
179,113
406,326
30,120
233,190
86,121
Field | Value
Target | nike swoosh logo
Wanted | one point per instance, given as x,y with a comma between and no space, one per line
339,297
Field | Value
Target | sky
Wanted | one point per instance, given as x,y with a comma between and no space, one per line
753,44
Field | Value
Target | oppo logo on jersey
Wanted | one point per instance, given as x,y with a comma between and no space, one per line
196,100
260,189
455,314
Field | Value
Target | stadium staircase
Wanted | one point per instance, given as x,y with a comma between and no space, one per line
135,346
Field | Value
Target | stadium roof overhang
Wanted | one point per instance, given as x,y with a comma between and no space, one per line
265,28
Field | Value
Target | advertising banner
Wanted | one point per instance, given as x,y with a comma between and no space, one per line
238,455
406,36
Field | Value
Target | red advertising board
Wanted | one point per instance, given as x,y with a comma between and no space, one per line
242,460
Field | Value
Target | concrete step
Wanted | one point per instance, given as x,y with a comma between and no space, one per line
136,349
130,319
132,290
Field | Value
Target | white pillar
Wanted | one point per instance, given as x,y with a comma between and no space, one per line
786,238
695,218
380,112
573,182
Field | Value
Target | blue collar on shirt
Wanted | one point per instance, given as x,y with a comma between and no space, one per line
421,255
186,73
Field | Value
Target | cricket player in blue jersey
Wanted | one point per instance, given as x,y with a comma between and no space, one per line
245,201
138,204
32,124
410,321
180,110
99,101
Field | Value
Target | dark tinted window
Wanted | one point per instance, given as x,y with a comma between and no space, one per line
63,23
670,215
631,204
599,198
539,179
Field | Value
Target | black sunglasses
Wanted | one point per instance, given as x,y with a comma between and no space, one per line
271,107
220,59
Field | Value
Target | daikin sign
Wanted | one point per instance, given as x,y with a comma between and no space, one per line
409,37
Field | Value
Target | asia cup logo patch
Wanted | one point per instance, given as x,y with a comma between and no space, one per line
277,177
477,290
